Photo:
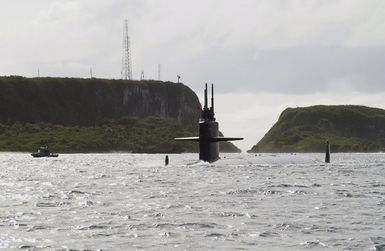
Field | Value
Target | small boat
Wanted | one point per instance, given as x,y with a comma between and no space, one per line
44,152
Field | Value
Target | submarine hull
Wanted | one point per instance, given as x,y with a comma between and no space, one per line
208,146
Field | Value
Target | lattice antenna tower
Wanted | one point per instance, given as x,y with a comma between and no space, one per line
126,53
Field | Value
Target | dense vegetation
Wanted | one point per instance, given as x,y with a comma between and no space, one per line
129,134
97,115
146,135
348,128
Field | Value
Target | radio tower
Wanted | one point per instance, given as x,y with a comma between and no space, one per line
126,55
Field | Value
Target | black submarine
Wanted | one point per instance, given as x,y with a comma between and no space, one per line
208,132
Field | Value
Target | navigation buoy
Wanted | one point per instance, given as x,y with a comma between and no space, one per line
166,160
327,154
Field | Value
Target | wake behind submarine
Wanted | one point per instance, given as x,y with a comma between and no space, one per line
208,132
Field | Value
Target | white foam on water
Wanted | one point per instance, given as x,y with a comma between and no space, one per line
246,201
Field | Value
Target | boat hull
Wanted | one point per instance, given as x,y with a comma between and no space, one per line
38,155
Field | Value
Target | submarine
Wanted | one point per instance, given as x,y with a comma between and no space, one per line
208,132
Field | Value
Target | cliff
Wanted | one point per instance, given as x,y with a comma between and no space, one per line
97,115
73,101
305,129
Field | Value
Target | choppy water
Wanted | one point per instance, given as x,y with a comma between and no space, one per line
242,202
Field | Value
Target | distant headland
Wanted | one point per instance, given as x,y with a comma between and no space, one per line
348,128
97,115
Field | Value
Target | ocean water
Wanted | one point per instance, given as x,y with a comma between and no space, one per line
241,202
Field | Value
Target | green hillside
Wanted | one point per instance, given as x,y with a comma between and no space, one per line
305,129
150,135
98,115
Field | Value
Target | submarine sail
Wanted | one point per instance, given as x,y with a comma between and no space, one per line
208,132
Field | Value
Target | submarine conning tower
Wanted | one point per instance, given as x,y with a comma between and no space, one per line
208,113
208,131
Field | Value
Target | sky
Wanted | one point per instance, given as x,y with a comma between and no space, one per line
262,55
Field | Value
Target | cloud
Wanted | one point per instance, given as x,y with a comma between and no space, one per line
292,46
293,70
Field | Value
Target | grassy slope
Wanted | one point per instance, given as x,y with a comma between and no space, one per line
148,135
129,134
348,128
88,115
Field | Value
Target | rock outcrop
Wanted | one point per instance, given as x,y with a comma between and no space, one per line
73,101
93,115
348,128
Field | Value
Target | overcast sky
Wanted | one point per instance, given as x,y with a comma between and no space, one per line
262,55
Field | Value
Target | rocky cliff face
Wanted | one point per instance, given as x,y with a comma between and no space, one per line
71,101
139,116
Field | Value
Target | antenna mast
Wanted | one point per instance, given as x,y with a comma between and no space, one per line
212,99
126,54
159,72
205,107
142,76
